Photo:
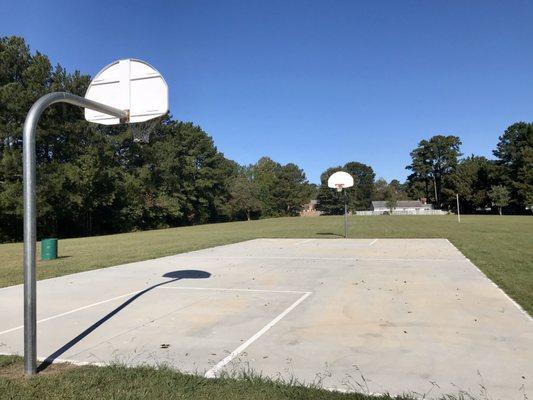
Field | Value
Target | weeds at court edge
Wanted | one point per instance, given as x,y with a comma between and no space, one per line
286,388
242,371
320,377
483,391
358,384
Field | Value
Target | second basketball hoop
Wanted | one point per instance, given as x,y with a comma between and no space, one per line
342,180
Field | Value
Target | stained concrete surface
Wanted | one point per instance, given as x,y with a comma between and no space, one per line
387,315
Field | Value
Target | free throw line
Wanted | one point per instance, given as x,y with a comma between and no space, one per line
213,371
73,311
232,289
137,291
354,258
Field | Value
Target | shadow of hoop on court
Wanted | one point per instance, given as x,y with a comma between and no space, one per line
173,275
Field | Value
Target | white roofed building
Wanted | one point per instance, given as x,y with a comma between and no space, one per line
403,207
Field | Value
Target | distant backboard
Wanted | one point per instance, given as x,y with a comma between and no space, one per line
132,85
340,180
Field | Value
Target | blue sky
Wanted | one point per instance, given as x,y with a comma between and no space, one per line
317,83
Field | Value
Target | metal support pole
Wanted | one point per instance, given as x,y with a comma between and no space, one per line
345,216
458,211
30,211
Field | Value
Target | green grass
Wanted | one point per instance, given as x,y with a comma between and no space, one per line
502,247
64,381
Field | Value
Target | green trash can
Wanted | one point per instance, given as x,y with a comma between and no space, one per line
49,249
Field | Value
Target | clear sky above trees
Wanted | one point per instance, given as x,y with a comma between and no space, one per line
281,78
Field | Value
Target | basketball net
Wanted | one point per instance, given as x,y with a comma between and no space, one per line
141,131
339,187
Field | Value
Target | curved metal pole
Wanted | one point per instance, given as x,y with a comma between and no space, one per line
30,215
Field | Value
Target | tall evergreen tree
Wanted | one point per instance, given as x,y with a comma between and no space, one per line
515,160
471,180
360,196
330,202
432,161
292,190
244,195
266,176
93,179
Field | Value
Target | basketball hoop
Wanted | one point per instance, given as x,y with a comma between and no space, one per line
342,180
126,91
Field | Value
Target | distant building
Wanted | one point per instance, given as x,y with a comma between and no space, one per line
403,207
309,209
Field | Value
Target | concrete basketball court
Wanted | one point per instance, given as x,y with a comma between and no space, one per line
387,315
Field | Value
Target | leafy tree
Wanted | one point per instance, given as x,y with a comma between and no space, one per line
515,160
499,196
282,189
292,190
416,188
330,202
399,189
266,176
24,77
391,197
432,161
244,197
360,196
529,202
472,180
380,189
96,179
186,174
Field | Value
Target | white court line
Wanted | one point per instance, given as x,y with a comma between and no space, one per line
232,289
518,306
413,259
213,371
266,258
303,241
354,258
160,287
73,311
373,241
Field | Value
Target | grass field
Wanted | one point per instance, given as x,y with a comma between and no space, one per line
502,247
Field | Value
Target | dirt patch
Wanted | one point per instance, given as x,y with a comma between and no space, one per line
15,370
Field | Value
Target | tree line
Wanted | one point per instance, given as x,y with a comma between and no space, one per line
439,173
95,179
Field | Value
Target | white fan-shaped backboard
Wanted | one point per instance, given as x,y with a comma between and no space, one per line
340,180
132,85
